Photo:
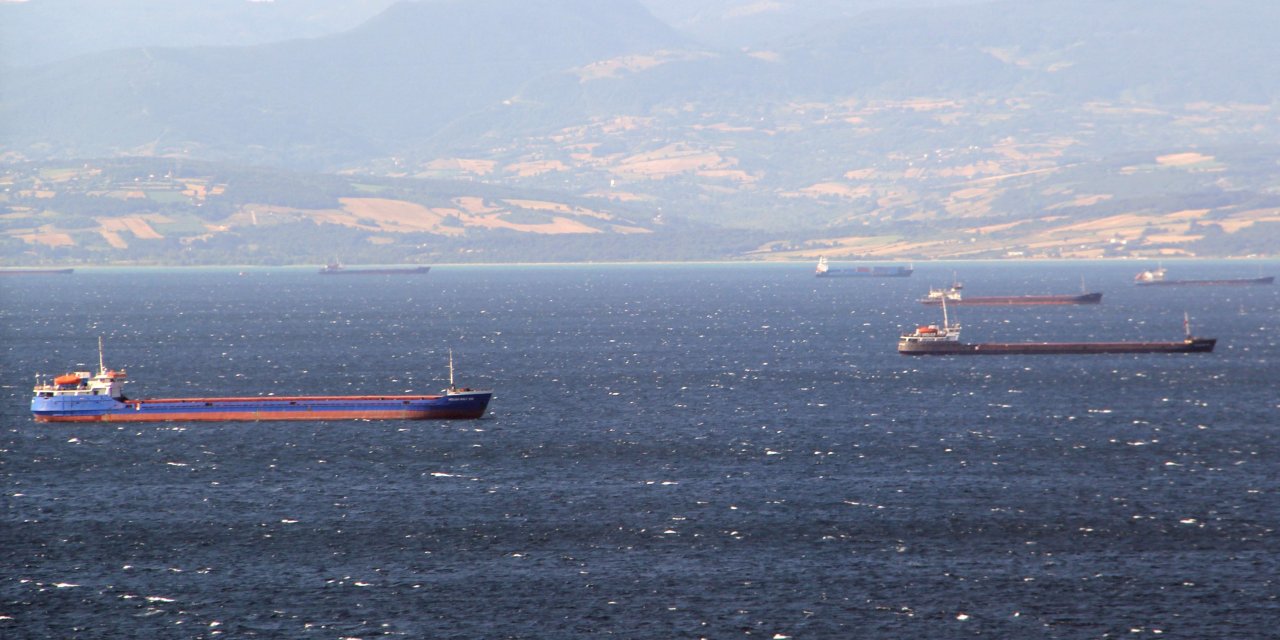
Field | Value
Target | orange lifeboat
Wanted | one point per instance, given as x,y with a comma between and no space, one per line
67,378
926,330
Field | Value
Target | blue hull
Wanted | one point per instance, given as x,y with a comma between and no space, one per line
90,408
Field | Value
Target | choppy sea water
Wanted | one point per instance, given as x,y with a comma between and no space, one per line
672,451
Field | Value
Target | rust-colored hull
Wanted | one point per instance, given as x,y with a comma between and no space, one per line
1191,345
993,301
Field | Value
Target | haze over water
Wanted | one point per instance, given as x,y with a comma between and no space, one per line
672,451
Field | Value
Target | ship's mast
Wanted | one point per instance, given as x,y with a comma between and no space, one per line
1186,324
102,367
451,369
946,324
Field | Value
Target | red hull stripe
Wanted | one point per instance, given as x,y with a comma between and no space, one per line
228,416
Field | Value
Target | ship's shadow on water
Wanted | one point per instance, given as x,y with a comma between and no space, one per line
671,451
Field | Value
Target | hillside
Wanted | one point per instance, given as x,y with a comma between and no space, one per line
43,31
399,79
162,211
167,212
957,130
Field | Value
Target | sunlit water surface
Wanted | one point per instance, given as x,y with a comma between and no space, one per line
672,451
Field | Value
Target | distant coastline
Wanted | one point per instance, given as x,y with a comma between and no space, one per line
1137,262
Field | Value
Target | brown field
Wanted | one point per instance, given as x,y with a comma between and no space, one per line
969,194
972,170
1188,214
557,225
620,196
971,207
48,238
1017,174
667,161
527,169
1112,109
477,167
395,216
136,225
1080,201
474,205
1248,218
895,198
625,123
930,104
993,228
736,175
1182,159
1172,238
832,189
558,207
114,239
1116,222
724,127
625,229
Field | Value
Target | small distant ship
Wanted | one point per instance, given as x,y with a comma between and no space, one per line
34,272
336,268
953,297
932,340
1155,277
825,271
85,397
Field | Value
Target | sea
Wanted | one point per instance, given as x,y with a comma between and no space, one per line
672,451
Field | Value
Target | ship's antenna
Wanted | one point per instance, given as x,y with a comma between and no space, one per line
102,367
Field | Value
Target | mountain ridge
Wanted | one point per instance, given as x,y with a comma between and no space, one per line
914,122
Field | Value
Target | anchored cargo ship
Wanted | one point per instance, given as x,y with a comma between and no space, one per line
86,397
1155,277
945,340
34,272
336,269
825,271
954,297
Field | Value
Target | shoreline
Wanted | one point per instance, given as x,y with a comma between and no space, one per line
260,267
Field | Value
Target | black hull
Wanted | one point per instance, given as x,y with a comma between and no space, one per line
863,274
372,272
34,272
1191,345
995,301
1207,283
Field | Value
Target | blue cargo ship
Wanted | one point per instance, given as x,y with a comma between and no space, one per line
87,397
